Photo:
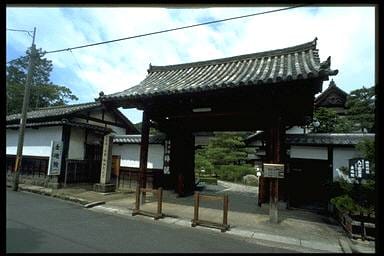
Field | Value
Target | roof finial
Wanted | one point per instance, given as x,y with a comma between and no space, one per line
150,67
314,41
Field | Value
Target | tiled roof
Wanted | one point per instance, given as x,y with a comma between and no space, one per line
293,63
55,123
136,139
332,89
55,111
318,138
328,138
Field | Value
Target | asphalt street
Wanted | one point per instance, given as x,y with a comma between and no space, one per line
41,224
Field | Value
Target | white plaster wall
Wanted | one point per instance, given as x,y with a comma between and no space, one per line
341,155
295,130
76,144
130,155
37,142
308,152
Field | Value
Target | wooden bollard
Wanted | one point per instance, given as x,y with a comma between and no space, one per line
159,202
196,209
137,203
225,214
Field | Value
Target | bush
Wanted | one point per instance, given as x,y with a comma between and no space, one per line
348,197
345,204
233,172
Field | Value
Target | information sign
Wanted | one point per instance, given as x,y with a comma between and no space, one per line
54,165
273,171
358,168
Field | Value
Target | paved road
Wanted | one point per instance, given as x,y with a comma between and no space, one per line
37,223
242,198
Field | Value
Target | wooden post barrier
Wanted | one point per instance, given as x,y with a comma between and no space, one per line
159,193
222,226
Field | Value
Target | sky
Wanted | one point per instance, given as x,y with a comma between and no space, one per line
345,33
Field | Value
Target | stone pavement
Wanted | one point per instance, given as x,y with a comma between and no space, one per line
298,230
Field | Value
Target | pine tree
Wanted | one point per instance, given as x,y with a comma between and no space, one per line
43,92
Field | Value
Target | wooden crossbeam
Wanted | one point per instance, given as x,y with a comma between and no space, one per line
159,193
195,221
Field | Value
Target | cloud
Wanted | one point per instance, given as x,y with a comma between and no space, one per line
345,33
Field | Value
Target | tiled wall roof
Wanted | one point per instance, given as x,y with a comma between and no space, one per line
55,111
136,139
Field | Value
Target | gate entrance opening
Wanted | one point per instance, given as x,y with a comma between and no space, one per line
260,91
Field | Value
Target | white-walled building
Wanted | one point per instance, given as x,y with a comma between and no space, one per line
126,160
79,128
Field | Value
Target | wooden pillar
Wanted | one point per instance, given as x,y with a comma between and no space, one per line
276,153
189,163
182,161
144,151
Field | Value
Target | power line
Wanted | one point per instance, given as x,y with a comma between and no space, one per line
21,30
179,28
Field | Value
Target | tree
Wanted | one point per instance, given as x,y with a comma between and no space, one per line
43,92
367,148
355,197
330,122
361,108
225,155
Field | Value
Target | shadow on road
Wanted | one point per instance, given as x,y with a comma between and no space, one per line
244,202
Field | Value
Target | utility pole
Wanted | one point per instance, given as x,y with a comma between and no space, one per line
23,118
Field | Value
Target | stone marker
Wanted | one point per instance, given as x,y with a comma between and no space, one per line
106,162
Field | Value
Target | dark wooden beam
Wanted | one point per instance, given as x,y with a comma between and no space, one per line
145,125
100,120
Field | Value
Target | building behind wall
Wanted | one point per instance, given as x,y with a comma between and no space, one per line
126,161
79,127
314,159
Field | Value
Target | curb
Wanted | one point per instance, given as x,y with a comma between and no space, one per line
342,245
284,242
93,204
60,196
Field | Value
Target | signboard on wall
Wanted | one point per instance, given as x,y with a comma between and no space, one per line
167,150
54,165
273,171
359,168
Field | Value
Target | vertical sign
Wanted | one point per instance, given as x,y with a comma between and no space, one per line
167,149
106,160
358,168
54,164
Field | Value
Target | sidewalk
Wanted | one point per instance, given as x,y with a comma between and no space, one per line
298,230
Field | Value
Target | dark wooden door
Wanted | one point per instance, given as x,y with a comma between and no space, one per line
307,183
93,157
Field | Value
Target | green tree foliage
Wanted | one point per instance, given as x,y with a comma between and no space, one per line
330,122
356,197
367,148
43,92
225,156
361,108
